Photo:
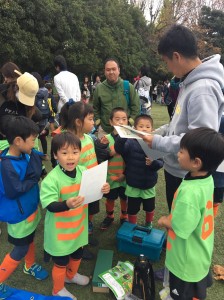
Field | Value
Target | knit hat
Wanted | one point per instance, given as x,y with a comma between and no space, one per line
28,88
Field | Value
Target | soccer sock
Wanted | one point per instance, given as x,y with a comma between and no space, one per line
7,267
215,209
124,206
149,216
132,219
110,208
58,276
30,256
91,218
72,267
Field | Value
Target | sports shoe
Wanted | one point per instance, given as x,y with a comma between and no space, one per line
90,227
123,220
64,293
106,223
36,271
148,225
78,279
5,291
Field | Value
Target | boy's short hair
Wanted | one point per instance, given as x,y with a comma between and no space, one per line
145,71
59,61
206,144
178,39
19,127
48,86
64,138
143,117
116,109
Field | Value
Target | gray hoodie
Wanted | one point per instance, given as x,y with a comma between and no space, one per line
145,82
200,103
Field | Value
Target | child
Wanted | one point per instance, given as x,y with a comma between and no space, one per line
66,223
115,175
141,173
52,105
81,122
19,198
191,223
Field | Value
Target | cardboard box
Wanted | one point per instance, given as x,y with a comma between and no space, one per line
103,263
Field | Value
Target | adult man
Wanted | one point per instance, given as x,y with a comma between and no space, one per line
66,83
200,102
110,94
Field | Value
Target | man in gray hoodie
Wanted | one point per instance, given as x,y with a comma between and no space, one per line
200,102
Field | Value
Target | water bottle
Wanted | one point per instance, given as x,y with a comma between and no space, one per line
143,280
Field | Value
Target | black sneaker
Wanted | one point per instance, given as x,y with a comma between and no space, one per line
106,223
123,220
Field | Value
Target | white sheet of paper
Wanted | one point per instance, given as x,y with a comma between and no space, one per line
150,153
128,132
92,182
221,167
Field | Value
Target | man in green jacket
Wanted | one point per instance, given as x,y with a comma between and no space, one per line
110,94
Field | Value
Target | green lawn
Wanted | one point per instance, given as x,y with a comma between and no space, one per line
107,241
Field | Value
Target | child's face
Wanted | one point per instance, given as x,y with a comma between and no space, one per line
119,118
88,123
144,125
27,145
68,157
184,160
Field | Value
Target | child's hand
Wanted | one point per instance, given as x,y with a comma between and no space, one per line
121,177
165,221
104,140
74,202
106,188
148,161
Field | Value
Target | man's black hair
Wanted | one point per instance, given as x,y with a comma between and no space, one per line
143,117
178,39
19,127
59,61
64,139
112,59
116,109
206,144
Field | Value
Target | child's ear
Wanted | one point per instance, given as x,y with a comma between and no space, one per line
197,163
55,156
17,140
78,122
111,123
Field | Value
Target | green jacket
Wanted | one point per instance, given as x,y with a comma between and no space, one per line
106,97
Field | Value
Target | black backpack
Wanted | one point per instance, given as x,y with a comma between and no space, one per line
43,106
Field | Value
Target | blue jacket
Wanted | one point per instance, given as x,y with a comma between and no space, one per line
138,175
19,190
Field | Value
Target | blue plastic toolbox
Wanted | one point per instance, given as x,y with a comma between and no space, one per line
134,239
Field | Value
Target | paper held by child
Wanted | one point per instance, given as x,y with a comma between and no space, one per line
92,182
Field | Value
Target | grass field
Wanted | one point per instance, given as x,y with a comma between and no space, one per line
107,241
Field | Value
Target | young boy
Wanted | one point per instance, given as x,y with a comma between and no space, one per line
141,173
66,221
191,222
19,198
115,175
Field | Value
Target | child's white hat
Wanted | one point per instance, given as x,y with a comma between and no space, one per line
28,88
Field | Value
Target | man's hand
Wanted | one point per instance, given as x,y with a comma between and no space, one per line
148,139
74,202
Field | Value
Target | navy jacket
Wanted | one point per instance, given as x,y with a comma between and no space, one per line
137,174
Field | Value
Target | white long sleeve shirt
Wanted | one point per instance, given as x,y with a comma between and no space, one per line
67,86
